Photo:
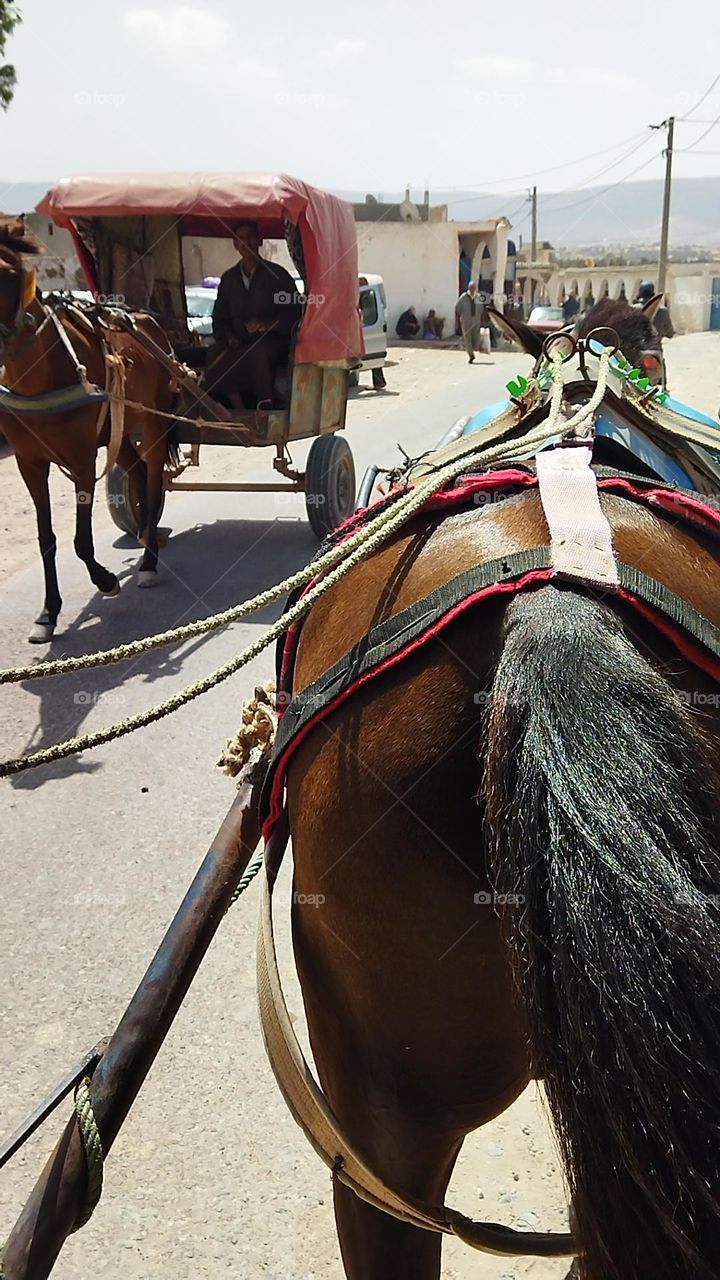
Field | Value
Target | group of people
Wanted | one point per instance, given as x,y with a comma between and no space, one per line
408,325
471,318
571,308
258,307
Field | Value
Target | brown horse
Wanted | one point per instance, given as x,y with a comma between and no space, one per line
36,361
559,754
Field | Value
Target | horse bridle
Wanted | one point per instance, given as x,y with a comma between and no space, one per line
23,317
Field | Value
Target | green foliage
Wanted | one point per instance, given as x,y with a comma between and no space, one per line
9,19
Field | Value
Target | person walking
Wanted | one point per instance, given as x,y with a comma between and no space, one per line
468,312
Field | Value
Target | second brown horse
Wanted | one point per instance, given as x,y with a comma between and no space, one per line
37,362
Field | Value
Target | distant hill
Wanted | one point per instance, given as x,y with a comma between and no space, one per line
626,214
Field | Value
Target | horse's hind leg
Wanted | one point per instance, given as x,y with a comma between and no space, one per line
375,1246
153,454
102,578
35,475
420,1153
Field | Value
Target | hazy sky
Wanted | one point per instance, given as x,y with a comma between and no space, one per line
368,97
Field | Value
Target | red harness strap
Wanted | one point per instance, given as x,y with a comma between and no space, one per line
468,489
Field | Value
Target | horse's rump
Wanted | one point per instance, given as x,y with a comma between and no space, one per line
388,818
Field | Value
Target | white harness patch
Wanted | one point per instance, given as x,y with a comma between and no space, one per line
580,535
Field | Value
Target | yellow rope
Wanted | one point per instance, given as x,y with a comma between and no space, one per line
178,417
349,553
120,653
92,1146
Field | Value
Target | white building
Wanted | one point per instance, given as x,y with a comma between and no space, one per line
692,288
415,249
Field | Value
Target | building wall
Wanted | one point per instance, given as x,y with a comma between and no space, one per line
418,263
688,290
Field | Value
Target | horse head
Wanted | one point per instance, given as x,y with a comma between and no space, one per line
18,283
638,339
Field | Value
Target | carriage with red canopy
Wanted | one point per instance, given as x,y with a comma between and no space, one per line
129,232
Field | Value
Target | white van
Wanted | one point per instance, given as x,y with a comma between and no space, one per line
373,309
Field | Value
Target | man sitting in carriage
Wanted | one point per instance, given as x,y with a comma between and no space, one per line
255,314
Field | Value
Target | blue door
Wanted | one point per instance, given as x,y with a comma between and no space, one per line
715,304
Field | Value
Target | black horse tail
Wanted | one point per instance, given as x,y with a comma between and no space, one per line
604,814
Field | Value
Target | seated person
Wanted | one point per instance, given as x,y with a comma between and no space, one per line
408,326
433,326
256,310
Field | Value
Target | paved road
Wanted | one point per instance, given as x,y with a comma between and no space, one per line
210,1176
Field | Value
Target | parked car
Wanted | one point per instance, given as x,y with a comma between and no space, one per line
373,309
200,302
546,319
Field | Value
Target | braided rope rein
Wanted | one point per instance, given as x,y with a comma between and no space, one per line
92,1146
349,553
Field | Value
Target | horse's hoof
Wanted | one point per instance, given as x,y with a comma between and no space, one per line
114,591
42,633
147,578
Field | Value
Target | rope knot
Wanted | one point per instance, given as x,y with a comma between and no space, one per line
250,748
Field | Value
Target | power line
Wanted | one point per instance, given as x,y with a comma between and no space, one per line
709,129
599,173
520,207
702,99
538,173
607,168
595,195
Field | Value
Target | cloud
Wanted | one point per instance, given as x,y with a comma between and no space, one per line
344,47
586,77
179,30
500,67
185,34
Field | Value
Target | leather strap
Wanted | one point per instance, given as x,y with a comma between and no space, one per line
313,1113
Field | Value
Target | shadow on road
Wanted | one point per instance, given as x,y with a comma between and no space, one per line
199,577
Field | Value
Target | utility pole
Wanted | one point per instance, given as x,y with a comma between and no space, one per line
665,229
533,244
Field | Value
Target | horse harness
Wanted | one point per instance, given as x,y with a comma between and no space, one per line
82,392
580,550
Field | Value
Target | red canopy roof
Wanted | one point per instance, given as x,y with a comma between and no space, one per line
208,204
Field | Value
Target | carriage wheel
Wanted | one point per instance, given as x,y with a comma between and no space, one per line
329,484
124,495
